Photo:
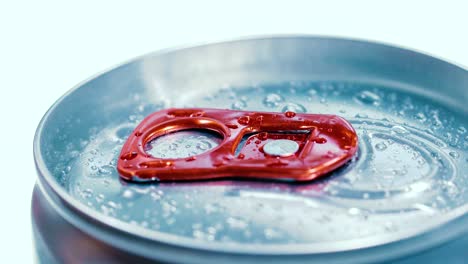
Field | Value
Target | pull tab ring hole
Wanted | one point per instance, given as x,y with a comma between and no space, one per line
183,143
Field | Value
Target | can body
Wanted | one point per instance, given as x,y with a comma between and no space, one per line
57,241
403,198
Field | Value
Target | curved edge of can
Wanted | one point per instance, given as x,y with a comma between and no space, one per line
79,215
375,249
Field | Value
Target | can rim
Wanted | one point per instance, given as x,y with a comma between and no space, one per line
446,227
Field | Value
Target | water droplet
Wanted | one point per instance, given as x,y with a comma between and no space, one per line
156,195
135,118
461,130
239,105
211,208
320,140
129,156
262,136
290,114
354,211
128,194
100,197
312,92
244,120
173,146
399,130
197,114
381,146
113,205
86,193
203,145
232,126
272,100
454,154
361,115
367,98
192,158
156,164
236,223
420,116
450,188
271,233
292,107
106,170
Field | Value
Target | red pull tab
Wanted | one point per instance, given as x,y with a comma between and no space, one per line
286,146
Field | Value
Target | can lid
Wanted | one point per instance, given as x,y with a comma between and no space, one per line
286,146
408,179
281,148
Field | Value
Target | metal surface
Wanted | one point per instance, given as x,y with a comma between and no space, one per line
182,144
281,147
406,192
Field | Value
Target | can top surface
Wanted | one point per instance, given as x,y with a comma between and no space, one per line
409,177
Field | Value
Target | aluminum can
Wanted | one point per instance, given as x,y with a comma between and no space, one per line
403,198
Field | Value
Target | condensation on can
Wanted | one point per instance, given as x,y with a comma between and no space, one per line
403,198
